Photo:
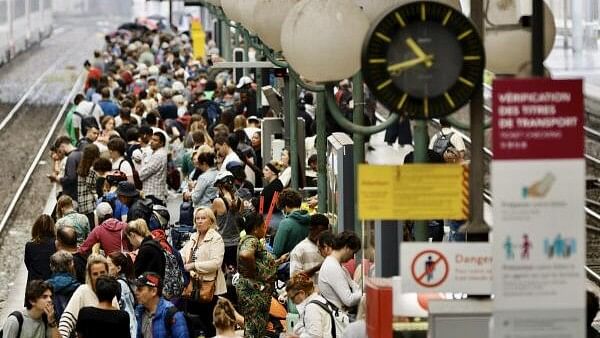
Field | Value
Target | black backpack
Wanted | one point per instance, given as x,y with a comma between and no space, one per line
442,143
194,323
141,208
88,121
136,176
19,316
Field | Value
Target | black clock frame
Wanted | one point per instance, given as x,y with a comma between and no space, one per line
396,100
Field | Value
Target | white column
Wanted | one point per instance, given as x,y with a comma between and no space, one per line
577,18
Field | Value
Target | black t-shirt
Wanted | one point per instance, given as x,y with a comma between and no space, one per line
93,322
80,263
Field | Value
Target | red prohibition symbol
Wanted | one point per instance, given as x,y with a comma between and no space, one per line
427,272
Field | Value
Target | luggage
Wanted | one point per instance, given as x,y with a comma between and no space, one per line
180,234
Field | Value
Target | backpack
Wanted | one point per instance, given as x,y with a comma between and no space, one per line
60,303
194,323
130,149
19,316
442,143
88,121
339,320
141,208
136,176
120,300
173,284
160,218
173,176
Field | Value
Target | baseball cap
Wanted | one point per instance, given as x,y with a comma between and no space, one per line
150,279
103,209
245,80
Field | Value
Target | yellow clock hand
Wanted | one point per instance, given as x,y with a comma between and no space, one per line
412,44
409,63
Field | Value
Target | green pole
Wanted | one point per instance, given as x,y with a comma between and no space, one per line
258,87
358,148
321,152
225,41
421,144
246,44
293,121
358,140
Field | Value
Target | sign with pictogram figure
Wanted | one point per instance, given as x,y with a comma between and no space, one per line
446,267
429,268
538,184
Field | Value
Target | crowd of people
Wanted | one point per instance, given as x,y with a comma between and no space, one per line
151,124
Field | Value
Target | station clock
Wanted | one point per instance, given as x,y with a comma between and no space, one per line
423,59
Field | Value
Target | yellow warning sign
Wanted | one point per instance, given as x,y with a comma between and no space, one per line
198,39
412,192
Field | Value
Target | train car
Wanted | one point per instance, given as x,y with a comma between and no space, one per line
23,23
4,32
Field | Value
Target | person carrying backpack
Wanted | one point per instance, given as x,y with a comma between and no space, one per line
63,280
445,139
39,320
156,316
318,318
150,256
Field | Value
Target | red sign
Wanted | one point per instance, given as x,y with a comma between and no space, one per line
537,119
430,268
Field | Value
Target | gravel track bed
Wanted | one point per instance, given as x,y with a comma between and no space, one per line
20,148
21,139
4,109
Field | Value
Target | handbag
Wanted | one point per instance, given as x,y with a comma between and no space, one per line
203,291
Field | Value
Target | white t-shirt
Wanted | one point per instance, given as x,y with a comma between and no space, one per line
231,157
125,167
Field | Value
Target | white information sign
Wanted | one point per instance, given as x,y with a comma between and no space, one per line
540,243
446,267
538,184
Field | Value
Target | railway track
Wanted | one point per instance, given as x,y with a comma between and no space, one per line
25,137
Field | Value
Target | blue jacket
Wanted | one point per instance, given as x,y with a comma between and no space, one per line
159,327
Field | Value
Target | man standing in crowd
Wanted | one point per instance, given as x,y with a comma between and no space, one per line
156,316
294,227
223,147
38,297
69,181
66,239
154,172
305,256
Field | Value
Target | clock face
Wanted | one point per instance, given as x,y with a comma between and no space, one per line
424,59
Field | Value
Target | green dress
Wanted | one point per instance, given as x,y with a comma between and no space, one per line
254,295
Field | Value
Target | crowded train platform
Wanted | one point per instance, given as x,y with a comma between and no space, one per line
201,171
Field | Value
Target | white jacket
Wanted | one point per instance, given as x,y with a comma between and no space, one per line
208,258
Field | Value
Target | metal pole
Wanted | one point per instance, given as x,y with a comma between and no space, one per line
321,152
537,39
358,97
476,229
565,24
293,120
577,17
246,58
170,13
421,138
225,42
358,148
